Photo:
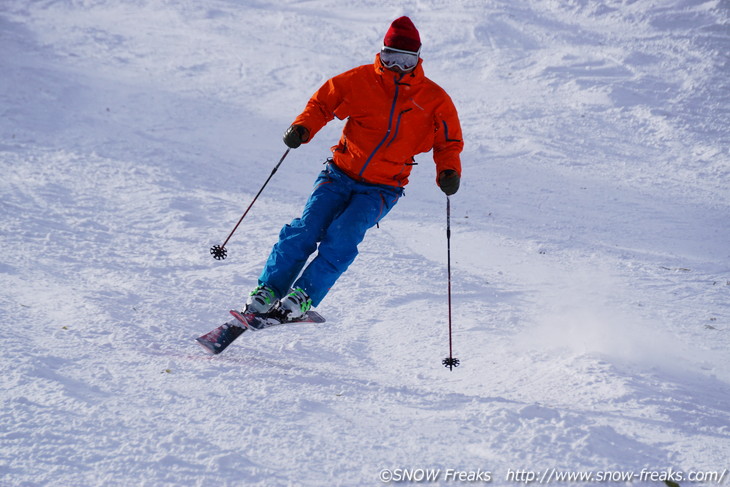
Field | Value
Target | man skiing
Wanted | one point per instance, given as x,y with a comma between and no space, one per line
393,112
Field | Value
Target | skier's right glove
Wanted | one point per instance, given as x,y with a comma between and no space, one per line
295,136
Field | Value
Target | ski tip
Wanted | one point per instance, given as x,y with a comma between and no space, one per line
208,346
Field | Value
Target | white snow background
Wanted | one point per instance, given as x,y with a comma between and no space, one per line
590,246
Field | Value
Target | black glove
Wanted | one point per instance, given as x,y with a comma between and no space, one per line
448,181
295,135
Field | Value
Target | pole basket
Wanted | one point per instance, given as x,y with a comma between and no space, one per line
218,252
450,362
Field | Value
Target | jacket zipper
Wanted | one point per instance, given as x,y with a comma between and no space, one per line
397,126
387,133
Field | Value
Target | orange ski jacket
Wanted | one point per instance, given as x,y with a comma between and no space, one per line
391,117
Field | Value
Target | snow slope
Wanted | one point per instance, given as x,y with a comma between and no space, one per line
591,255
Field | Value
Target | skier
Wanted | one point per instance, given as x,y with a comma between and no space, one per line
393,112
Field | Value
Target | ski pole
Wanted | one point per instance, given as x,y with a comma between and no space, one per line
449,361
219,252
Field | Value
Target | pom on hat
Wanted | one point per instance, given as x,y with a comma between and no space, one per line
403,35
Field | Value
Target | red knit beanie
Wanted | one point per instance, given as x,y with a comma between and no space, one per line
403,35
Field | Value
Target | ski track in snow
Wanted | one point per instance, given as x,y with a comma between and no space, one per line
589,239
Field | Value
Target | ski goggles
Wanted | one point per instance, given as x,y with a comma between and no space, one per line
405,60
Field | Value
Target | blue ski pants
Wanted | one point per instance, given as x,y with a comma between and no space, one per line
334,221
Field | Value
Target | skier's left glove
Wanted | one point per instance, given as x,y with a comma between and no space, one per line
295,136
448,181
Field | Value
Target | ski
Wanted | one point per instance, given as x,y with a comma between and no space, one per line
216,340
259,322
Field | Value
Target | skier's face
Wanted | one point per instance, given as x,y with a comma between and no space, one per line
398,60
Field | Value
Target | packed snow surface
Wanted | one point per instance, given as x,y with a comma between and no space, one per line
590,248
